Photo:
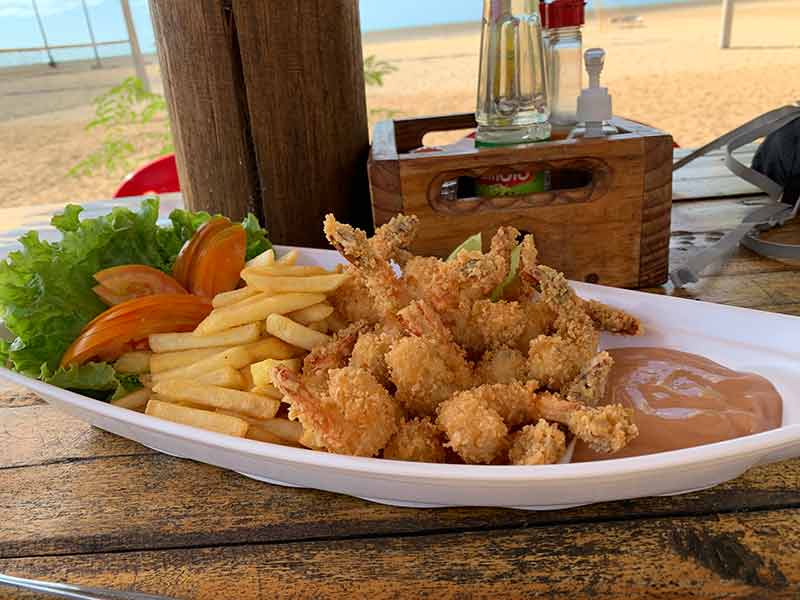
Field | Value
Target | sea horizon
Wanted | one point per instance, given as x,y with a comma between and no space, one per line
64,23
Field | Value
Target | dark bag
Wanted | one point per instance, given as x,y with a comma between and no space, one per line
778,157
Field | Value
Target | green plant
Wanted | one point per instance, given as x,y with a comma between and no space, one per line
123,109
375,70
120,112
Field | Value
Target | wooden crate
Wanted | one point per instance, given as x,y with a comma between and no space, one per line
613,230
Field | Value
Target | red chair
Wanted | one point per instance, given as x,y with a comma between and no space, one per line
157,177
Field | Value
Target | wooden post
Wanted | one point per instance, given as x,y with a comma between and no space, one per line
268,110
727,23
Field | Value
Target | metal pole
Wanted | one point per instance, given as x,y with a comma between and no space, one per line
136,51
51,62
727,23
91,34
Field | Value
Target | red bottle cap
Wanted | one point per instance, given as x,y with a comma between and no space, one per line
562,13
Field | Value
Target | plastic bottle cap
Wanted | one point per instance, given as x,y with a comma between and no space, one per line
594,103
562,13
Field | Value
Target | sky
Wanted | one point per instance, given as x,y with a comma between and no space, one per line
64,21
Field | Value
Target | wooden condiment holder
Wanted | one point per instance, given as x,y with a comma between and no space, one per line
608,222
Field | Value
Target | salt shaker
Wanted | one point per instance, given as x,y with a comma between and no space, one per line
562,21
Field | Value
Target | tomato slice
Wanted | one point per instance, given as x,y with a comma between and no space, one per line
218,266
183,265
126,282
124,326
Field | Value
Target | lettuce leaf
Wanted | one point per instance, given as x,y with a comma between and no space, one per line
93,379
46,295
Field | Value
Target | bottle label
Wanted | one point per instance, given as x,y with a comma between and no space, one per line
511,184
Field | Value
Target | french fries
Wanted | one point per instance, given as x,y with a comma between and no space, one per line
291,431
219,377
197,418
167,361
272,347
234,358
262,371
228,298
268,390
226,377
286,271
135,400
252,310
211,396
289,258
262,260
134,363
312,314
249,331
315,284
294,333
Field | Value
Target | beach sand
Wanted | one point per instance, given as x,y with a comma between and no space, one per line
668,72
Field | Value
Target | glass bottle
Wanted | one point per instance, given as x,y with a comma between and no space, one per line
512,106
562,20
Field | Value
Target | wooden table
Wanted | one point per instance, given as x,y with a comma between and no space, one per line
81,505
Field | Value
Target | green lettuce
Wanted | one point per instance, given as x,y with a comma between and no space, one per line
46,295
94,379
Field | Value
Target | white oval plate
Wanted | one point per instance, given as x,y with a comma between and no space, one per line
746,340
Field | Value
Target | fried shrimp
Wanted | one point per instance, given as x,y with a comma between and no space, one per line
559,358
477,421
426,367
605,428
370,350
428,364
391,241
352,300
355,415
613,320
589,387
501,365
417,440
386,290
540,444
332,355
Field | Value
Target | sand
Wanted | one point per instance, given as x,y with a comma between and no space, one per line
668,72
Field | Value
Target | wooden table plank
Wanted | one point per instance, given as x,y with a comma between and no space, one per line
708,177
727,556
120,503
41,434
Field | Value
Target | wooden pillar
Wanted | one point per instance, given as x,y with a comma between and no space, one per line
268,110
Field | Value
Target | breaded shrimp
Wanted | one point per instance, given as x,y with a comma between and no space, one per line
540,444
332,355
417,440
477,421
557,359
451,287
391,241
387,291
489,325
353,301
370,350
589,387
355,415
605,428
426,367
613,320
501,365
